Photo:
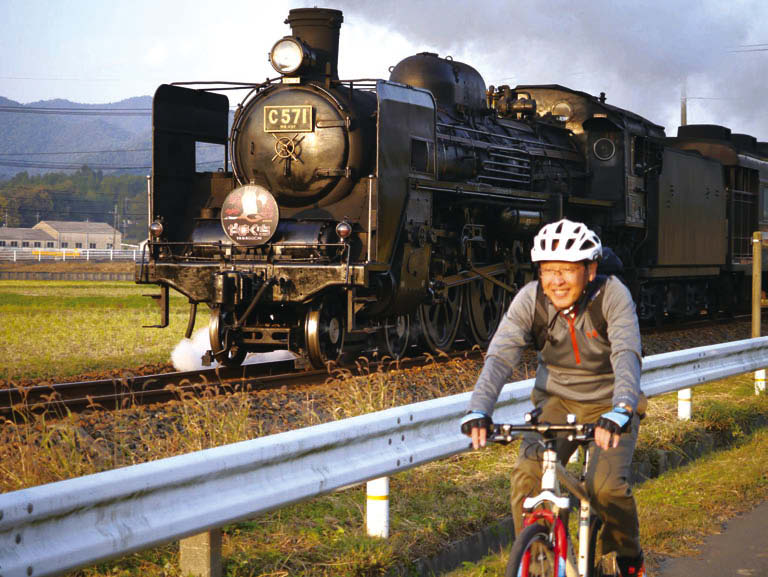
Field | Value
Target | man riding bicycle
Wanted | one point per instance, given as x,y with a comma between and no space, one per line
586,331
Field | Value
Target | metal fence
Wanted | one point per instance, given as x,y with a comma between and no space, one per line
51,529
68,254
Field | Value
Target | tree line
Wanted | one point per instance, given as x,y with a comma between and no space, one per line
119,200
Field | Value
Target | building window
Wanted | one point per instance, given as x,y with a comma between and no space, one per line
64,244
78,245
14,243
2,243
93,245
24,243
49,244
109,245
37,244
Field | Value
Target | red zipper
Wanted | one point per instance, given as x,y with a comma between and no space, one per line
574,343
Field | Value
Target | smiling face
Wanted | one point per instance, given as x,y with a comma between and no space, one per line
563,282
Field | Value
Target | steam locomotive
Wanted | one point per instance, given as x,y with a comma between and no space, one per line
400,212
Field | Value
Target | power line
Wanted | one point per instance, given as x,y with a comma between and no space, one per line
77,165
79,111
67,165
61,78
32,153
75,152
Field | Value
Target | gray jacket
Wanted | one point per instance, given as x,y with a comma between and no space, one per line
577,365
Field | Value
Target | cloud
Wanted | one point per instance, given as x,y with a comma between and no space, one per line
637,52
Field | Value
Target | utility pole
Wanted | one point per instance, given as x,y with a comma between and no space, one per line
114,229
683,105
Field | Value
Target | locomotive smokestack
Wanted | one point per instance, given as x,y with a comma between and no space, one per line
319,29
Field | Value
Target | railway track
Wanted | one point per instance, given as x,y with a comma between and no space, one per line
119,393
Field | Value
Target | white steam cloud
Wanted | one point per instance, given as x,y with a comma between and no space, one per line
188,354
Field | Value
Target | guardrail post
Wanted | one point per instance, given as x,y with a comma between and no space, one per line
757,297
14,256
684,404
64,255
200,555
377,508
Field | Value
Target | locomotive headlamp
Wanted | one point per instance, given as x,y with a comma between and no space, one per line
156,229
287,55
344,229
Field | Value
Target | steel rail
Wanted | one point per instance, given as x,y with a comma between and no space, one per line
51,529
123,392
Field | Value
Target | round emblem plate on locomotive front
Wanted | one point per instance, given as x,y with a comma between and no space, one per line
250,215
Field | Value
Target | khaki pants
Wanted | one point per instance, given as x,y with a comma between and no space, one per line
608,476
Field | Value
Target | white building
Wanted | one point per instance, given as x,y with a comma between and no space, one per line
25,238
84,235
62,234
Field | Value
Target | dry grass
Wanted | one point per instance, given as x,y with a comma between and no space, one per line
431,506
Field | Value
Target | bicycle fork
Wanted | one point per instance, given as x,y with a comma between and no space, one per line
550,493
585,528
567,564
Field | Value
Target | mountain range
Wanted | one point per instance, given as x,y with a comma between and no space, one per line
60,135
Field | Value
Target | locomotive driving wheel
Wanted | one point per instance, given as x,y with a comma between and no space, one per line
485,302
439,321
225,341
324,329
395,336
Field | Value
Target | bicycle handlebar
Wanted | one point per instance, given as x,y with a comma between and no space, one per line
505,433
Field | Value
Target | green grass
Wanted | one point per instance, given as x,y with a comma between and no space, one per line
53,329
443,502
678,509
60,328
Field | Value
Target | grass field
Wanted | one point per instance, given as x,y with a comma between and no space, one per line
59,328
54,329
440,503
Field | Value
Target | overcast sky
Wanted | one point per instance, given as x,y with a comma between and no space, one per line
638,53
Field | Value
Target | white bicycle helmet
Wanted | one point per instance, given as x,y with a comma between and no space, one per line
566,241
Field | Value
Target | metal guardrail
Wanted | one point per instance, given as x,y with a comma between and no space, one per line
53,528
65,254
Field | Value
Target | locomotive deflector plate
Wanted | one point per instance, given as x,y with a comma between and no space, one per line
288,118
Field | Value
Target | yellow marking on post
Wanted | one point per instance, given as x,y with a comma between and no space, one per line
378,498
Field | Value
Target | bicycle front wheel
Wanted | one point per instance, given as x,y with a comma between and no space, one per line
533,553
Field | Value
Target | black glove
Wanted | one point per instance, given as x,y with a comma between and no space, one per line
475,419
615,421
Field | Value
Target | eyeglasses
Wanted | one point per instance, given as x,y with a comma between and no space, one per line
569,272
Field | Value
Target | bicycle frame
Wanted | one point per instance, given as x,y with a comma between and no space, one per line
550,505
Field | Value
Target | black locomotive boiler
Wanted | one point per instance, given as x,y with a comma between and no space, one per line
355,210
399,212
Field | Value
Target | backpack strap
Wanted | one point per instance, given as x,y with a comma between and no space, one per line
540,319
594,300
